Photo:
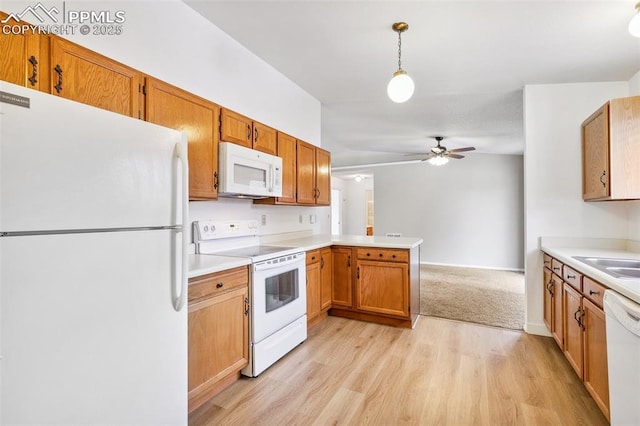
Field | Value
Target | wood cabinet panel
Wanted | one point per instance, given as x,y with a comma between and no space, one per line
556,267
557,329
596,378
382,287
572,277
82,75
573,343
595,155
610,147
218,342
213,284
546,261
547,298
172,107
313,291
306,157
287,151
323,177
264,138
593,290
312,256
326,277
342,282
388,255
24,57
235,128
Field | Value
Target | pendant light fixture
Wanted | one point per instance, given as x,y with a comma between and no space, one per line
401,86
634,24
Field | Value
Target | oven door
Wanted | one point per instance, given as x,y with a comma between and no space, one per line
279,293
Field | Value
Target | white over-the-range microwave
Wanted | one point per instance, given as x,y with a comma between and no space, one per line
247,173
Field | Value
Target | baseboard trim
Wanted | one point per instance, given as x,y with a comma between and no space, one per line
537,329
495,268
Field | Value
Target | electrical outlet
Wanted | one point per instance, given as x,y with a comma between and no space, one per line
263,220
312,218
300,219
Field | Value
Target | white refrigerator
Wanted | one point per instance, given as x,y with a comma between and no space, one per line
93,207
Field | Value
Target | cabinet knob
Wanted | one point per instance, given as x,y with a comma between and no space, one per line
368,254
393,256
219,285
380,254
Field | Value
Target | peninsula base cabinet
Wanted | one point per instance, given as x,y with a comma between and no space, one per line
318,285
376,284
579,327
218,332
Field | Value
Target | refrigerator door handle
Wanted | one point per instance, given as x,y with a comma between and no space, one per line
180,296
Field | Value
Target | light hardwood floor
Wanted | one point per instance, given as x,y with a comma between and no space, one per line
442,372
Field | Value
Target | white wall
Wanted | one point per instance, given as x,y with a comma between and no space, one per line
469,212
170,41
553,115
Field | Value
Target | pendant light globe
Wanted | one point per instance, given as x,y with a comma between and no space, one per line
634,24
400,87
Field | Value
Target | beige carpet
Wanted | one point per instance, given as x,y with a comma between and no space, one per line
482,296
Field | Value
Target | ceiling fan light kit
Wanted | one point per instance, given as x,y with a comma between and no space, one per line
438,160
401,87
634,24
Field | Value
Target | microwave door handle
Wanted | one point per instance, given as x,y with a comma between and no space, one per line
271,178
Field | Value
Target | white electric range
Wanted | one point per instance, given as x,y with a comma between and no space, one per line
277,288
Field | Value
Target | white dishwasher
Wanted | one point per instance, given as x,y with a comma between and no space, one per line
623,355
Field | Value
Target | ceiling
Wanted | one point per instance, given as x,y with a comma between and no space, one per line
469,60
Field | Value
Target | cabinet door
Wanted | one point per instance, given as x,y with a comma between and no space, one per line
596,378
218,341
595,155
313,290
557,329
572,328
341,285
174,108
264,138
325,278
84,76
306,158
323,177
235,128
21,61
287,151
548,298
382,287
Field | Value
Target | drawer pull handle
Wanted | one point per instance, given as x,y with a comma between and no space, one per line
604,175
34,70
58,71
246,306
321,262
248,132
219,285
349,261
591,292
571,277
556,268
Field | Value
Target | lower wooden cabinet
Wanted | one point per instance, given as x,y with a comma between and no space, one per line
218,332
318,285
578,325
380,285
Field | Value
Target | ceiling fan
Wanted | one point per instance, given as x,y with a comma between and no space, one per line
440,155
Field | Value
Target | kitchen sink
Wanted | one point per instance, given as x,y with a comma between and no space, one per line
618,268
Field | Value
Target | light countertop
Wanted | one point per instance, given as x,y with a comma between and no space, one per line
201,264
565,250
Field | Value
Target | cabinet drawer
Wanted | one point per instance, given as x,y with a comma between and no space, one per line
547,261
593,290
313,256
217,283
556,267
392,255
572,277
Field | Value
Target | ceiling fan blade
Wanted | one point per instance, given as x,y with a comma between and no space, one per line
469,148
427,157
458,156
417,153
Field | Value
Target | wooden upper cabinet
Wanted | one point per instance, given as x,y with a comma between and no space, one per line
323,177
24,58
175,108
314,175
241,130
236,128
610,149
85,76
306,179
265,138
287,151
